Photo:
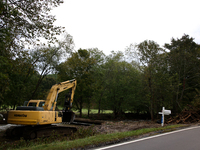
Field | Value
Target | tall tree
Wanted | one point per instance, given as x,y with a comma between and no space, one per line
79,66
23,22
118,88
46,58
28,20
147,54
184,66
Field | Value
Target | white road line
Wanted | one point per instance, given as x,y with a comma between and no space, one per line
146,138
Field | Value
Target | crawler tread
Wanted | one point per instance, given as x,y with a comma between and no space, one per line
32,132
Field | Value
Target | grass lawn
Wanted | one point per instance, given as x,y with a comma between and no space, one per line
94,111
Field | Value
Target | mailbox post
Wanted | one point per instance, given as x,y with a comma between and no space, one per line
163,113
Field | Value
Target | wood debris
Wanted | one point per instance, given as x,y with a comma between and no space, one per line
188,115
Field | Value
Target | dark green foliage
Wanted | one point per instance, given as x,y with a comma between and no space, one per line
80,67
118,81
184,69
23,23
160,78
170,77
150,57
28,20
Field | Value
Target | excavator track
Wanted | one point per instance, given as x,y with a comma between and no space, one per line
32,132
15,131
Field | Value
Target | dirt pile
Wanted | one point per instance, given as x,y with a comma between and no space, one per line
122,126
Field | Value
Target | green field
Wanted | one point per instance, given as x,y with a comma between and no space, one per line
94,111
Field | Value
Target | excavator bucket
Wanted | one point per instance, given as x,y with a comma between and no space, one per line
68,116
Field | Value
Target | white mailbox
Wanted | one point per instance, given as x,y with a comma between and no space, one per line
163,113
167,112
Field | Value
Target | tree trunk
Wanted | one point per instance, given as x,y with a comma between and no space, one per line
14,107
81,107
99,110
88,112
88,109
151,100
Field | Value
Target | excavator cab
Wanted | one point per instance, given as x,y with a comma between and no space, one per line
25,103
36,103
32,105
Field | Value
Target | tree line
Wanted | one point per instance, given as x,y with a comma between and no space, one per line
142,79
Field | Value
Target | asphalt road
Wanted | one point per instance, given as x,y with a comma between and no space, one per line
185,139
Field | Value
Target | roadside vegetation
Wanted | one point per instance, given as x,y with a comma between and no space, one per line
84,137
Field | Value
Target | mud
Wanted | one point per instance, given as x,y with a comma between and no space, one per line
122,126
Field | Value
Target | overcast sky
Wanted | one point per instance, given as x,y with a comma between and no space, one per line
115,24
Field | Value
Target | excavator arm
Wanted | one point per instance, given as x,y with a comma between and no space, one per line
55,90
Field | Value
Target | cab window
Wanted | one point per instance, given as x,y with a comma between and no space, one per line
32,104
41,104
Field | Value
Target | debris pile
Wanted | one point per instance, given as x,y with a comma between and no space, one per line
188,115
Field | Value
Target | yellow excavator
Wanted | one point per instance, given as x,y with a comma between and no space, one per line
36,118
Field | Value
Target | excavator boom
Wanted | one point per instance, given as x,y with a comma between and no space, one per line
55,90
